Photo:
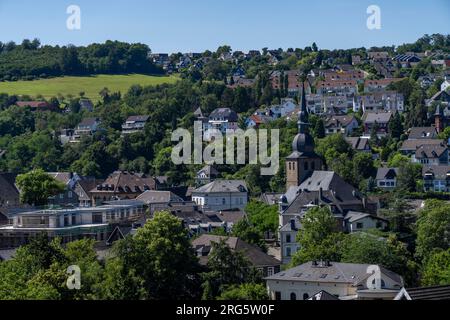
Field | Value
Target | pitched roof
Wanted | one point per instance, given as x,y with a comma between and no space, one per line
430,151
88,122
358,143
223,186
225,113
151,196
138,118
382,173
339,121
353,216
126,182
425,293
209,170
8,190
423,133
378,117
437,172
323,295
255,255
335,272
414,144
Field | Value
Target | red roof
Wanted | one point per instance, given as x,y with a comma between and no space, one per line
33,104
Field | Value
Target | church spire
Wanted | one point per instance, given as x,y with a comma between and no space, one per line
303,114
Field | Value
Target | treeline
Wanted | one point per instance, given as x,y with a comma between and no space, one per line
29,60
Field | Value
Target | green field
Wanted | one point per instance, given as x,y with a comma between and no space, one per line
90,85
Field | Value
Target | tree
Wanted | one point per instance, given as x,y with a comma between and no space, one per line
396,126
433,228
319,129
408,174
246,291
37,186
226,267
248,233
318,238
436,269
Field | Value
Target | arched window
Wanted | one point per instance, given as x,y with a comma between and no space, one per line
290,168
305,296
293,296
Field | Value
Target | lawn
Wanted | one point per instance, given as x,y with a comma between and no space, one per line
91,85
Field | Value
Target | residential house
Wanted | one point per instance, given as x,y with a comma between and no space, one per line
122,185
341,124
270,198
407,60
221,120
343,75
257,258
339,87
377,56
134,124
378,85
380,101
328,104
255,121
86,105
436,178
356,59
83,188
346,281
288,80
206,175
68,197
37,105
67,224
222,195
287,106
442,116
410,146
362,222
9,194
379,120
359,144
434,154
156,200
386,178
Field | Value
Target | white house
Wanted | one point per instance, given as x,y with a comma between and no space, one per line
222,195
359,222
287,106
346,281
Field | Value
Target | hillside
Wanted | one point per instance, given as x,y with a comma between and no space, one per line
90,85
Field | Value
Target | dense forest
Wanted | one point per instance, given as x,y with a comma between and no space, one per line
29,60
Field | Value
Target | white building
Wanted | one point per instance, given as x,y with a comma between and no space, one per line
222,195
221,120
286,107
346,281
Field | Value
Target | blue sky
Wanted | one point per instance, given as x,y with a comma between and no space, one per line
196,25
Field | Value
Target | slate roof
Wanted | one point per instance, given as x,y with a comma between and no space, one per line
126,182
351,273
88,122
426,293
412,145
437,172
378,117
225,113
430,151
323,295
353,216
8,190
151,196
255,255
223,186
358,143
339,121
423,133
209,170
138,118
382,173
87,184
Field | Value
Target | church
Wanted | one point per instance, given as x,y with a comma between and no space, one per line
308,185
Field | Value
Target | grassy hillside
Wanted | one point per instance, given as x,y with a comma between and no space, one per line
74,85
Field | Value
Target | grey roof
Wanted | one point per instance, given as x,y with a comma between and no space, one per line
430,151
423,133
88,122
226,113
255,255
358,143
138,118
428,293
382,173
339,121
336,272
353,216
270,198
437,172
151,196
378,117
323,295
413,144
223,186
288,226
8,190
227,216
209,170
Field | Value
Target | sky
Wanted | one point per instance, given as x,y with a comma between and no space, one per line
196,25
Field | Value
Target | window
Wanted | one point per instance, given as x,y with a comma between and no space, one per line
359,225
223,201
305,296
277,295
293,296
288,252
270,271
288,238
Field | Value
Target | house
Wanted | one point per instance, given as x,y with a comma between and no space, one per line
134,124
340,87
255,121
86,105
442,116
289,81
345,281
68,197
386,178
257,258
356,59
83,188
207,174
407,60
156,200
424,293
359,144
410,146
322,188
328,104
434,154
222,195
441,99
9,194
343,75
378,85
67,224
379,101
221,120
361,222
377,56
270,198
122,185
36,105
436,178
379,120
341,124
423,133
287,106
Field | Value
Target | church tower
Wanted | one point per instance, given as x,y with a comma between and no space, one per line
303,161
